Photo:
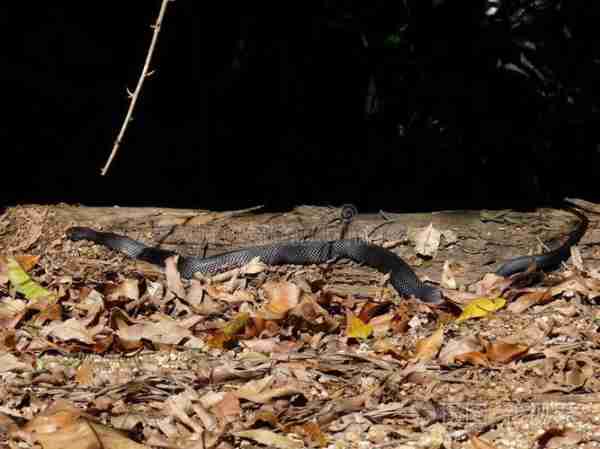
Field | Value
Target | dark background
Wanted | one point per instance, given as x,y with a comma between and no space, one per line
473,104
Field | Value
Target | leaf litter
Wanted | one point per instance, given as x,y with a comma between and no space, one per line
273,357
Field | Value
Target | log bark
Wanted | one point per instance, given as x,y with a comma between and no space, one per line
483,238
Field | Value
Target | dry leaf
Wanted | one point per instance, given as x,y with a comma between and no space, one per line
313,315
281,297
9,362
576,258
571,284
559,438
222,294
527,300
456,347
427,348
164,331
174,283
272,345
27,262
256,391
355,328
505,352
478,443
312,433
128,288
474,358
71,329
62,426
269,438
427,241
448,279
491,285
228,409
11,312
85,374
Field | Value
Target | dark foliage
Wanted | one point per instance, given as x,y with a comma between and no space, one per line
386,104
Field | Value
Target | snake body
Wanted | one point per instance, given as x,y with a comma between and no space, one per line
402,277
551,259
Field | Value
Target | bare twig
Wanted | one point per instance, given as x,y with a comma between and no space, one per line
134,96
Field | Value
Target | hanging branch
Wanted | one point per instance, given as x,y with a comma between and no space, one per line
134,96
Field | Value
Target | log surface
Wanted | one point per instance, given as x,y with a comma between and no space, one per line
483,238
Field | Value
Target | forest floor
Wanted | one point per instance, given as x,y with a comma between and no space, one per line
99,351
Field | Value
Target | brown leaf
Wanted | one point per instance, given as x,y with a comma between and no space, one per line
281,298
3,270
370,310
9,362
314,317
478,443
267,396
312,434
557,438
269,438
222,294
272,345
202,303
128,288
474,358
7,340
165,331
505,352
382,324
178,406
529,299
491,286
571,284
427,348
85,374
11,312
27,262
459,346
228,408
59,415
71,329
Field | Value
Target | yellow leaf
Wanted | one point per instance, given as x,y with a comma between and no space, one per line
356,328
236,325
24,284
480,307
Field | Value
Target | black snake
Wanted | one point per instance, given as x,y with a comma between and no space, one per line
402,277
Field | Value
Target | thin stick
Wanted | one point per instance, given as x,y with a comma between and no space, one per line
138,88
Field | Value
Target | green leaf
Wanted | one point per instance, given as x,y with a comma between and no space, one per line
23,283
